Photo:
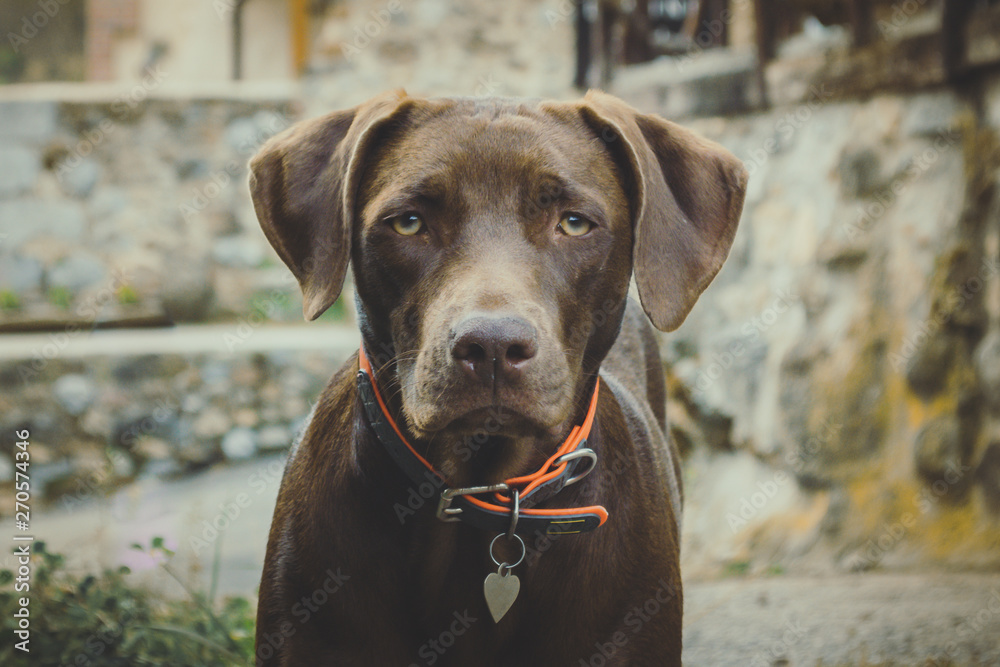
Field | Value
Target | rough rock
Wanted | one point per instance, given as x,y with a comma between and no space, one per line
293,408
19,169
988,369
72,182
930,114
192,169
868,379
107,202
193,403
77,272
212,423
190,450
79,181
241,134
860,173
246,418
20,274
197,453
273,438
721,518
32,122
153,449
23,219
938,448
988,474
238,251
74,392
98,423
189,295
928,370
57,478
239,444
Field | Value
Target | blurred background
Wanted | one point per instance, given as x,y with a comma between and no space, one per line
835,393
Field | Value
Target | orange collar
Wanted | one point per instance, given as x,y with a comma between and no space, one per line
505,511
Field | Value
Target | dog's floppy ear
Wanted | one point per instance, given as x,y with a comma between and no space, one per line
303,183
689,195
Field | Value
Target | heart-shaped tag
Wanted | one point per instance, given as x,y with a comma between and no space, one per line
501,591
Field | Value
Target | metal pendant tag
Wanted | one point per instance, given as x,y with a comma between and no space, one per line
501,587
501,590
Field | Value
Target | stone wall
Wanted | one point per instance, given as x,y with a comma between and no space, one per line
835,391
836,388
106,414
116,203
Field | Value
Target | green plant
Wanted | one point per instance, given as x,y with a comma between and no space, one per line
9,300
12,65
737,568
106,621
127,295
60,296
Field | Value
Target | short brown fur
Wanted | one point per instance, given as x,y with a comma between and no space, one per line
491,181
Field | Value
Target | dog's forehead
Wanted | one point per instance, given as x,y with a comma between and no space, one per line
500,125
505,140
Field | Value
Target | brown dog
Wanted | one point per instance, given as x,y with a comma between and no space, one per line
492,242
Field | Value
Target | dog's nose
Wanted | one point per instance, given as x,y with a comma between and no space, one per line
492,349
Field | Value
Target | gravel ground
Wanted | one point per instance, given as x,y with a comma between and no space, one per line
864,619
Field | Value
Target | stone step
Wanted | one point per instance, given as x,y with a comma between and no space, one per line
701,83
231,338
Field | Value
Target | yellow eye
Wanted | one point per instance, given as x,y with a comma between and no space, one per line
572,224
408,224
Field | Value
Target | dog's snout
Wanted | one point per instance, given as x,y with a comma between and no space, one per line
492,349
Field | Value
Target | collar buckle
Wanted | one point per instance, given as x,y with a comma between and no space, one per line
582,452
445,512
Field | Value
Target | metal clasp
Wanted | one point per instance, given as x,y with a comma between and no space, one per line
583,452
515,513
445,512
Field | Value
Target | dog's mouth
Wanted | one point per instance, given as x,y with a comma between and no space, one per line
487,443
482,425
490,444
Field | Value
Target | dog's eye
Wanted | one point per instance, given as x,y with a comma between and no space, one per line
407,224
572,224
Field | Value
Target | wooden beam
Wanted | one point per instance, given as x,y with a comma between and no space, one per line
862,22
299,12
954,22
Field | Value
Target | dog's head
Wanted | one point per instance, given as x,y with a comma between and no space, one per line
493,241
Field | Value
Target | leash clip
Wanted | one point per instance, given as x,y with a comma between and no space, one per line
445,512
583,452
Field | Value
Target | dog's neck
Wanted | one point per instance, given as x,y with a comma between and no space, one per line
462,501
